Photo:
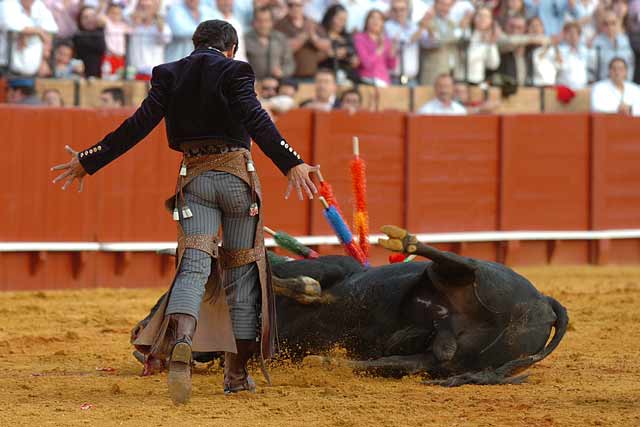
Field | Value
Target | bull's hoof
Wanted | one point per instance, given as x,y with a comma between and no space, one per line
311,286
303,289
179,378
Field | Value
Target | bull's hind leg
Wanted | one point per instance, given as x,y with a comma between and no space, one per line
304,280
326,270
390,366
487,377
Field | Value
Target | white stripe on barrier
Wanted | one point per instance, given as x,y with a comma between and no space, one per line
480,236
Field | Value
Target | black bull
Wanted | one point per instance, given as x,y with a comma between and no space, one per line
458,319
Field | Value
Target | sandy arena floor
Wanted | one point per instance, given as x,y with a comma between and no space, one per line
62,350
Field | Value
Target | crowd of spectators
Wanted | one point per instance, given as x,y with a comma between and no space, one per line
337,43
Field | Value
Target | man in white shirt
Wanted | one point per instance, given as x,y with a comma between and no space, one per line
183,18
31,23
611,42
443,104
325,91
440,54
573,58
226,7
406,35
616,95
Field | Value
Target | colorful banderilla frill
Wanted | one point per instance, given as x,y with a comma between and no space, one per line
361,214
326,191
342,231
290,243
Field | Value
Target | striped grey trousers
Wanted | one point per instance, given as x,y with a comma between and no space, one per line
219,199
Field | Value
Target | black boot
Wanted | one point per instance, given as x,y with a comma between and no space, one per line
182,327
236,376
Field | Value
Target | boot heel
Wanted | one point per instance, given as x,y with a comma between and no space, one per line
179,378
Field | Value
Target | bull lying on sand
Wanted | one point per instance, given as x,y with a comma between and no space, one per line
458,319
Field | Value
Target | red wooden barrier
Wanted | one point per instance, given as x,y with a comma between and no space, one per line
453,177
527,172
616,184
545,184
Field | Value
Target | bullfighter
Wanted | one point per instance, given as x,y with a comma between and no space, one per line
211,111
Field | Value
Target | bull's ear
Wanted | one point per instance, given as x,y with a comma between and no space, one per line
451,269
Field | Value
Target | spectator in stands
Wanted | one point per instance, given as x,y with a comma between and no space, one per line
611,42
482,53
375,50
589,15
621,9
350,100
515,52
267,87
149,37
325,91
615,94
225,8
316,9
22,91
115,31
270,98
288,87
407,35
359,9
443,104
183,17
545,58
268,50
112,97
441,48
573,58
65,13
462,96
31,24
342,57
308,40
45,64
52,98
509,9
552,13
89,41
65,66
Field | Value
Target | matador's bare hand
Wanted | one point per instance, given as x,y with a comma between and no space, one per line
299,178
73,170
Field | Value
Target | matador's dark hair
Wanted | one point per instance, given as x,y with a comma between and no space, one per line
217,34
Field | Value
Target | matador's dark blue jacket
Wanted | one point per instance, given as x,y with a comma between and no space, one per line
203,96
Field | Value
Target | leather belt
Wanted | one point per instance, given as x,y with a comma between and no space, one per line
208,147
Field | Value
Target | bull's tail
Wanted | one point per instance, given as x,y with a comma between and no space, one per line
505,373
560,328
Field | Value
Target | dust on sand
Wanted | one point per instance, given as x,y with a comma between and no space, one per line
65,360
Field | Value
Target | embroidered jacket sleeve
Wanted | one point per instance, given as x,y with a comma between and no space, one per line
245,106
132,130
